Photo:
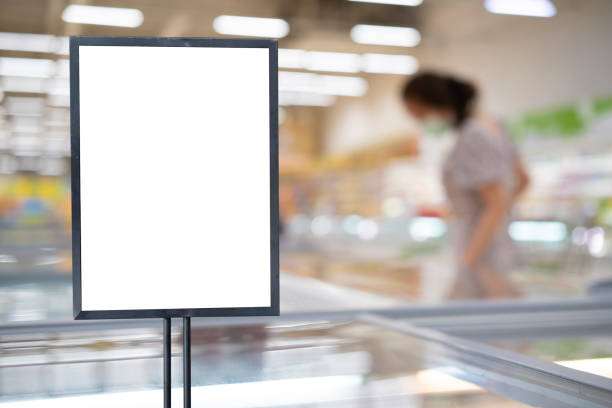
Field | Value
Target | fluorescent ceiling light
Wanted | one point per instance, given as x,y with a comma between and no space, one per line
385,35
533,8
63,46
63,68
305,99
251,26
347,62
27,67
331,61
321,84
389,64
34,43
107,16
27,42
290,58
392,2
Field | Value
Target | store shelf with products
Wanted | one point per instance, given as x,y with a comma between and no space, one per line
357,223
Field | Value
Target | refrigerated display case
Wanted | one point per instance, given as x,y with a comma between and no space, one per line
361,358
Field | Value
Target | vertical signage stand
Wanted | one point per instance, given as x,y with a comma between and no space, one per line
105,70
167,363
186,362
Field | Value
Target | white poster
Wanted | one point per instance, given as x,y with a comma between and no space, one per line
174,177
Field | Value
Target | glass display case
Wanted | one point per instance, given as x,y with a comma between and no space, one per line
327,359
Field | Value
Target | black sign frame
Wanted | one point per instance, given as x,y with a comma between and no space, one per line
272,45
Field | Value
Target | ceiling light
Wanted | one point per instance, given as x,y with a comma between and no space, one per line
389,64
321,84
251,26
533,8
385,35
27,67
392,2
305,99
346,62
27,42
107,16
289,58
62,46
331,61
63,68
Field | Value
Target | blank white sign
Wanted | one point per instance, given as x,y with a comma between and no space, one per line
175,177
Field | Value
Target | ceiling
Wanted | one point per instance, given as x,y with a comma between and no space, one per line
321,25
194,17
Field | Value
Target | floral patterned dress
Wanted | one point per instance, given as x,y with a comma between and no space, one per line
482,154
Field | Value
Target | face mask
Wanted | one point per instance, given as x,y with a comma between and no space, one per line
433,125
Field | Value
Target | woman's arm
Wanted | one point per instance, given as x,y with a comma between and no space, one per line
495,204
522,176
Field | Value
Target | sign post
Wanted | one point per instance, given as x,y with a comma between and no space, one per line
174,148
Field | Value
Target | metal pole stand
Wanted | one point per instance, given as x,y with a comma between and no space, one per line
167,364
187,362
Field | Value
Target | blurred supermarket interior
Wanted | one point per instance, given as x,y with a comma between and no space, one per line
365,221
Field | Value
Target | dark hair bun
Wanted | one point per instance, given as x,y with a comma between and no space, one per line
442,91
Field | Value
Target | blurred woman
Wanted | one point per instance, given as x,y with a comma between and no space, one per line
482,176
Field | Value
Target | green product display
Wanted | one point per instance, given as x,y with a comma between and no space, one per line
562,122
